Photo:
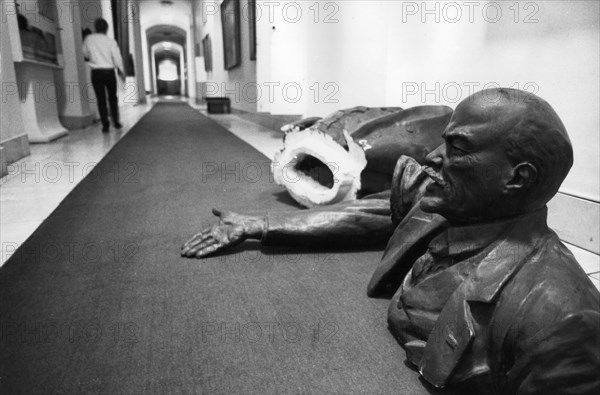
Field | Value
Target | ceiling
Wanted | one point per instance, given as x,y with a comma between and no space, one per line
154,12
170,33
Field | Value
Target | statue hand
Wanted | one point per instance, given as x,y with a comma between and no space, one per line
408,183
231,230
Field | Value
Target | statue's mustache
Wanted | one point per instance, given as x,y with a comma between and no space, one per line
434,175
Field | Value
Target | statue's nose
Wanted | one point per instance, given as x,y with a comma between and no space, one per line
435,159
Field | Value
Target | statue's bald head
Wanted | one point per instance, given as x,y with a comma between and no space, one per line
530,131
506,152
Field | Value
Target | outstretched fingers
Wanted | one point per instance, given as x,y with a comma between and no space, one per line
203,249
197,238
195,241
208,249
228,232
200,246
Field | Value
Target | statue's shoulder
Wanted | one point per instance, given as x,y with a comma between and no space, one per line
558,269
550,286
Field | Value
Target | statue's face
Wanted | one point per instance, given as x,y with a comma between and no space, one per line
470,169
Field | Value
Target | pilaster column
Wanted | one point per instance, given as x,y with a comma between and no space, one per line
74,103
14,143
138,50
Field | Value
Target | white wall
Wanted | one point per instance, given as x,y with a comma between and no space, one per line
555,57
239,83
284,42
393,53
334,51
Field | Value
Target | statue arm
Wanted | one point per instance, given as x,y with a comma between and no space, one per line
359,222
368,221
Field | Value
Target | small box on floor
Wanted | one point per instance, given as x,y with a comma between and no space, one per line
218,105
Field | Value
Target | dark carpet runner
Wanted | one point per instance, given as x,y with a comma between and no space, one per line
98,299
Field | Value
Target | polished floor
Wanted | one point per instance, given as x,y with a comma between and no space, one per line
35,185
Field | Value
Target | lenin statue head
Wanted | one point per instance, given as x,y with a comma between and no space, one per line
506,152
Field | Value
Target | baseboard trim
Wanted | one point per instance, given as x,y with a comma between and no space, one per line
12,150
76,122
49,137
270,121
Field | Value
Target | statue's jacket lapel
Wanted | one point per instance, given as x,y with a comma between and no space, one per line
462,326
409,241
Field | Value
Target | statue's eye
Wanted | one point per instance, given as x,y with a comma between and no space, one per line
458,151
457,145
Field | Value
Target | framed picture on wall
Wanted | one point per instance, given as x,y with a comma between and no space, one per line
37,44
207,51
252,27
230,23
49,9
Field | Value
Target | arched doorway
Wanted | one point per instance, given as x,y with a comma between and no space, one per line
168,67
167,44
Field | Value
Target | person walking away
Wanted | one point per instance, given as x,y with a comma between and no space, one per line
104,56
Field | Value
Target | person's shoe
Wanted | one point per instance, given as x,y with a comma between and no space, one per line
105,129
118,125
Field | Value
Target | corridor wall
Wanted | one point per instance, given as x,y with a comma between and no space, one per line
402,54
239,83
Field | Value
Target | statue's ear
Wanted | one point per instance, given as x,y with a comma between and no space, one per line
523,175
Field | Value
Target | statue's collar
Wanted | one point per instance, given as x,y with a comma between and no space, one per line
465,239
515,245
